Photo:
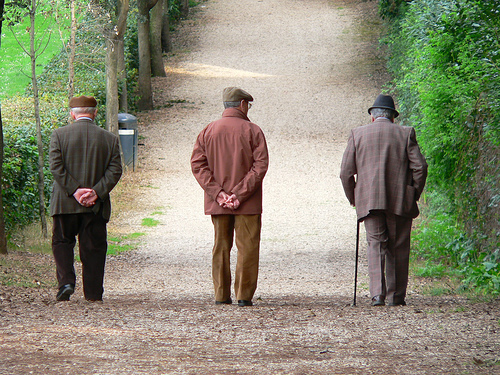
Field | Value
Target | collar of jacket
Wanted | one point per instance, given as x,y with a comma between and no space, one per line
234,112
385,119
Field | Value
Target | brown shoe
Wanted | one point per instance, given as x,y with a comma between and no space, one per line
378,301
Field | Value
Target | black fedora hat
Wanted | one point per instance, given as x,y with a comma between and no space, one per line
386,102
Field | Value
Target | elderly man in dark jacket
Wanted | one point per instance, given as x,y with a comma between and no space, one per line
229,161
86,165
390,177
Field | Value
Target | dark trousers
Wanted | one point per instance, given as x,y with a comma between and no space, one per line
247,229
388,238
92,234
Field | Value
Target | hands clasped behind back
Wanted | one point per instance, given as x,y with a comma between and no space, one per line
228,201
85,196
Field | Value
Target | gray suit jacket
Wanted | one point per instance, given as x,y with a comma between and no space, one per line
87,156
390,170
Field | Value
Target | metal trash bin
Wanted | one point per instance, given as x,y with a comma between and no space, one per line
129,138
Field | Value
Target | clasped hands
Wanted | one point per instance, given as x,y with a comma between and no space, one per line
85,196
228,201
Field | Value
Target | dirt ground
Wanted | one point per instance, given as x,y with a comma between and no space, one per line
313,67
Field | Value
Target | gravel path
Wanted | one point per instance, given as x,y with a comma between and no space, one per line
313,68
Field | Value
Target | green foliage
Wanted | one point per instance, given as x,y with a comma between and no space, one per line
20,175
15,73
117,245
445,59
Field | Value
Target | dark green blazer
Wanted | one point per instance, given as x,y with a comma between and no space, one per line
83,155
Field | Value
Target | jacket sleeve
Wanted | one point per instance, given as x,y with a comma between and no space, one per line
348,170
253,179
417,164
63,178
201,169
112,173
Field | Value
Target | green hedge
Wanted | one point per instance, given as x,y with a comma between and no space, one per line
445,60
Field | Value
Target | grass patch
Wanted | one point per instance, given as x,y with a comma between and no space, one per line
150,222
15,71
120,244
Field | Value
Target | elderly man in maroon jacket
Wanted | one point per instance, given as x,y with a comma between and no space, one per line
390,176
229,161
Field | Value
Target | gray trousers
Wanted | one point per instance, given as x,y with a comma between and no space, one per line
388,238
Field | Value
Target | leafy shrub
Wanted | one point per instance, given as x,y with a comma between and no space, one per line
444,58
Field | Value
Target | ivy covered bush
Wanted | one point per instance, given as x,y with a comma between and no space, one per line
445,61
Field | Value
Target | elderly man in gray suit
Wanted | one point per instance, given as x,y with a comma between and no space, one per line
86,164
383,174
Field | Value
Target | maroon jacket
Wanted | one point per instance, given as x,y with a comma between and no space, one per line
230,154
389,168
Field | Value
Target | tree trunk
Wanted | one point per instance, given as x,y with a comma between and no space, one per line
123,8
72,51
113,38
184,8
41,183
111,87
145,101
122,77
3,237
166,42
157,67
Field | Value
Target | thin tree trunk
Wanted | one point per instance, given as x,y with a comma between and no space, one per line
145,101
41,184
184,8
157,67
113,39
72,51
122,77
166,42
3,237
111,87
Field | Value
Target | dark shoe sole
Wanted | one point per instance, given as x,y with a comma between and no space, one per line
243,303
226,302
65,292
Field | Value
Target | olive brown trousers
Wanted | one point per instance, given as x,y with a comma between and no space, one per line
246,230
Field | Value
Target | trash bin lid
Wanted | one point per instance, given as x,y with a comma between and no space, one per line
126,120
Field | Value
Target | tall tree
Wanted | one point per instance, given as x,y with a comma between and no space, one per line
37,45
34,52
166,42
145,101
114,39
157,67
184,8
3,238
72,50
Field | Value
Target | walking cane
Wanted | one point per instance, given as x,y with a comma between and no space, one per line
356,263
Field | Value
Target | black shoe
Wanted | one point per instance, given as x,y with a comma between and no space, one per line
64,292
226,302
243,303
378,301
397,303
